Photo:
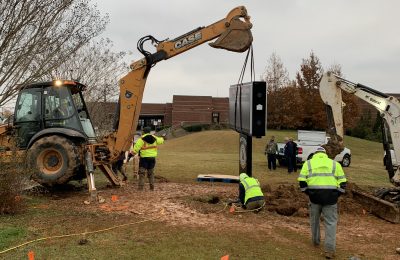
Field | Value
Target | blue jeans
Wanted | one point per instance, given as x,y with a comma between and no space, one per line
330,220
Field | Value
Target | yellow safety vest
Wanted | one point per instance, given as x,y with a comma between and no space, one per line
252,188
146,149
322,173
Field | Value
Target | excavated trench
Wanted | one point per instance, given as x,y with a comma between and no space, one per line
285,199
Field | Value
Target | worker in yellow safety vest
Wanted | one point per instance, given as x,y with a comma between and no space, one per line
250,193
323,180
147,149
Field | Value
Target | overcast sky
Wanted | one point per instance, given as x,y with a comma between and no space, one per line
363,36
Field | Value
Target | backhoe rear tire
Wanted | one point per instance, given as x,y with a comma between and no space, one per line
54,160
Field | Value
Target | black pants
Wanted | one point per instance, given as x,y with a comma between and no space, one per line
147,162
272,161
292,163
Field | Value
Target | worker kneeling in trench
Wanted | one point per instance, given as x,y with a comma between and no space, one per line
250,193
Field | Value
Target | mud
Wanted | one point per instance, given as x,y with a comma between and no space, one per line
187,200
288,200
334,146
197,204
203,205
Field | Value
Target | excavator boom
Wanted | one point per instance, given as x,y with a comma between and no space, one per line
233,33
384,202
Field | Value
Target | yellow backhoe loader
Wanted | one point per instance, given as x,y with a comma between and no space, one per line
52,124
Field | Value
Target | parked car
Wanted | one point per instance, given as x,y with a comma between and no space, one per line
307,144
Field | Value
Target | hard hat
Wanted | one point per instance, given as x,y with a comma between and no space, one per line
147,129
320,150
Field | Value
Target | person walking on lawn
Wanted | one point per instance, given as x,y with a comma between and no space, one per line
323,180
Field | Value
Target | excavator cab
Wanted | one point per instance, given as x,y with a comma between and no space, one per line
51,106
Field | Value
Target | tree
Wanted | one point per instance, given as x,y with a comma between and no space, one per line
37,36
310,73
313,115
276,75
100,69
285,114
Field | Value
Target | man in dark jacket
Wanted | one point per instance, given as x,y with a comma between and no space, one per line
291,154
323,180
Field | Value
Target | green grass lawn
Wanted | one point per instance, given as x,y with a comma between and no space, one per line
158,241
216,152
180,160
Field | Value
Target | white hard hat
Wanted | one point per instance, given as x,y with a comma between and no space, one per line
320,150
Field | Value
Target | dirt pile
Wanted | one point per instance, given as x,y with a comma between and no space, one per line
286,200
202,204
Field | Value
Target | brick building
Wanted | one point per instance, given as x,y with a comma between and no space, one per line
184,110
189,110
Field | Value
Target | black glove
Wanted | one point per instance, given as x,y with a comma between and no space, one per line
303,185
129,157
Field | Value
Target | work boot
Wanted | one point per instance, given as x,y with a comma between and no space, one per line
151,186
329,255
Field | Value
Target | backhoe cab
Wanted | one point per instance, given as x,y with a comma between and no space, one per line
51,121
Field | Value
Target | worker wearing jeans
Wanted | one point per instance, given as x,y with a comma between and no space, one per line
330,217
323,180
147,147
250,194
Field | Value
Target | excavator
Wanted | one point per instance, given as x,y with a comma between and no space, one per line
385,201
52,125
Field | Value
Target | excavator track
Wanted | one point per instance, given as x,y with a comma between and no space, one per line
384,203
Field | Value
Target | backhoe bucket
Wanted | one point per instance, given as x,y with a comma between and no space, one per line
334,146
237,37
382,208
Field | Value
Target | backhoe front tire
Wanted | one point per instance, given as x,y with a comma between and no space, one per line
53,160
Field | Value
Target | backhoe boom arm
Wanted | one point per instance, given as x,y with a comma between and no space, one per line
234,35
331,86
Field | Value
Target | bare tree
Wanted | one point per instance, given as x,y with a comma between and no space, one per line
276,75
36,36
336,68
96,66
99,68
